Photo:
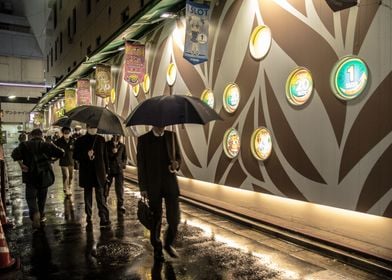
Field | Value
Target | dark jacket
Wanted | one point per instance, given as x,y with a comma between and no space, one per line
117,161
153,160
25,150
92,173
68,147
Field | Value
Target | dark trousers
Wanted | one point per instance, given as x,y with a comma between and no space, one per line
172,218
118,187
103,210
36,199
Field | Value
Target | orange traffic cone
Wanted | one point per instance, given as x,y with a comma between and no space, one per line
6,262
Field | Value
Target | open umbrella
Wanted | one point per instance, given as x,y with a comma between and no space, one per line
169,110
102,118
62,122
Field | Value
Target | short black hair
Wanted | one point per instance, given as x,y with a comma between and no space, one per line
37,132
65,128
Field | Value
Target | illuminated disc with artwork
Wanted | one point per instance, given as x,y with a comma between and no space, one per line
171,74
261,143
299,86
146,83
231,98
136,89
207,97
260,41
349,77
113,96
231,143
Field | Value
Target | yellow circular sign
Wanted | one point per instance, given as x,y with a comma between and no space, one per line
207,97
260,41
113,96
231,143
171,74
261,143
136,89
146,83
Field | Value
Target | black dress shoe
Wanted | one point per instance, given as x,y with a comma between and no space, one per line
171,251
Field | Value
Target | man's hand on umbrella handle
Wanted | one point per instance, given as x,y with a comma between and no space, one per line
174,166
24,168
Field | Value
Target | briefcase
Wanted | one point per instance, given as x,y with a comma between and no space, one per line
144,214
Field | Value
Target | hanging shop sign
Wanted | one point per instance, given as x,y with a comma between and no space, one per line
208,97
349,77
299,86
104,81
261,143
171,74
134,66
196,32
83,93
70,99
38,119
231,98
146,83
260,41
231,143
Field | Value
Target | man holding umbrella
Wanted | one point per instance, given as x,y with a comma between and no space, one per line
90,152
158,181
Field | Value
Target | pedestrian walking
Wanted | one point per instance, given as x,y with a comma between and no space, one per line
158,181
77,133
34,157
117,156
66,162
90,152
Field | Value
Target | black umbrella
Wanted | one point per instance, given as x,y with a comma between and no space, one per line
169,110
63,122
102,118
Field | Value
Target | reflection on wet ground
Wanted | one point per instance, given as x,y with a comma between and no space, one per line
210,246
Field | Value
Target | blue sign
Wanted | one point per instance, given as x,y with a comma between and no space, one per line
196,32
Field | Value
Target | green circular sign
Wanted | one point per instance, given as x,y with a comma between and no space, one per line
349,77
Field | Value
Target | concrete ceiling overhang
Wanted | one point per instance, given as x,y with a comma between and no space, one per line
144,21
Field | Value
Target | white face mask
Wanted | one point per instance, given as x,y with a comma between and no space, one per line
92,131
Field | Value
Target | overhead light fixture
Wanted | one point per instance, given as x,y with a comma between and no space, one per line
168,15
30,85
11,97
121,48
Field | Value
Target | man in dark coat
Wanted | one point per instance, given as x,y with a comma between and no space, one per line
117,155
75,136
157,180
25,154
90,152
66,143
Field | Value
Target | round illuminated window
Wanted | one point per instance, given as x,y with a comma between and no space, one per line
146,83
231,98
113,95
136,89
349,77
260,41
171,74
261,143
207,97
231,143
299,86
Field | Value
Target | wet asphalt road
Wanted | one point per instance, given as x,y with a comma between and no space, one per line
210,246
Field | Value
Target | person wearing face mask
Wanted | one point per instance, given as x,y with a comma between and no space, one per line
156,166
66,162
117,162
90,152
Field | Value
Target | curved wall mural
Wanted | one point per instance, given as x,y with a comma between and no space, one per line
328,151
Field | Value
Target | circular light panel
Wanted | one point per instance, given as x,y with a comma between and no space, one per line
171,74
261,143
260,41
231,143
207,97
146,83
349,77
299,86
231,98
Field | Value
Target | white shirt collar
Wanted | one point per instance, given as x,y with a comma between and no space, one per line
156,134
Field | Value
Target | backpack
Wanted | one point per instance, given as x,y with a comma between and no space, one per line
41,173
